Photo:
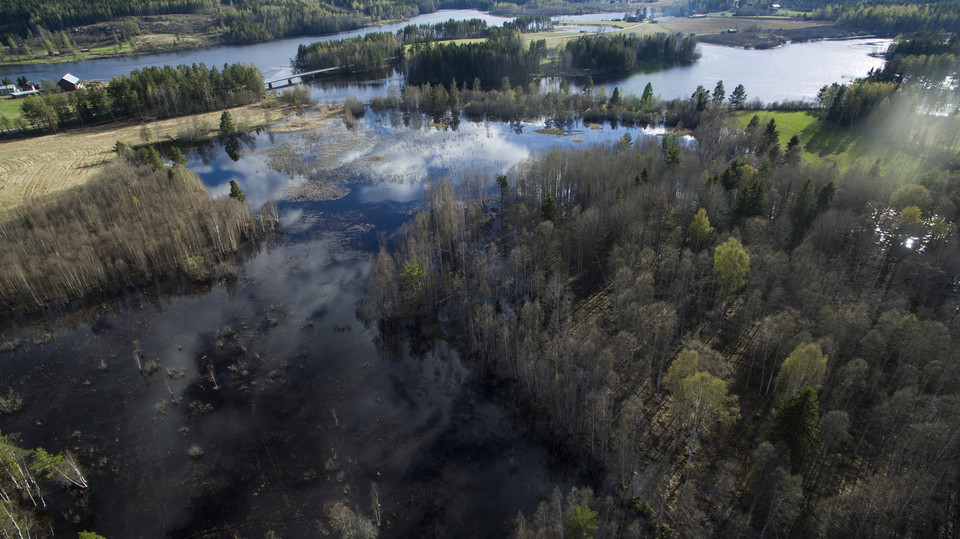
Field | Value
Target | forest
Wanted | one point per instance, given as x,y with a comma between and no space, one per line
441,31
152,92
376,50
891,18
35,474
619,53
746,343
489,61
20,17
918,73
32,24
926,58
373,51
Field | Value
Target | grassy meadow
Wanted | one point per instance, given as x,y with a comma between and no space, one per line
843,148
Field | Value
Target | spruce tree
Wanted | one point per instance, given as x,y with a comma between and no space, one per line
796,426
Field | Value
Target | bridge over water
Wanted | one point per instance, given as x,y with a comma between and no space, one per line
288,80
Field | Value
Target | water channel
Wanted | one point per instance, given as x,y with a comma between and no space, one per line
262,399
795,71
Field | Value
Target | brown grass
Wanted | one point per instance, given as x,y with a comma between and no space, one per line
716,25
316,119
37,166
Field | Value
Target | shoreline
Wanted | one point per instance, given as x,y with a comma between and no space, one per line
761,39
161,43
35,166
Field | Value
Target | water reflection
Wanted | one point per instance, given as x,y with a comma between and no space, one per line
247,406
255,408
795,71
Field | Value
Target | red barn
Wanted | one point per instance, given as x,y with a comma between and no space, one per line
68,83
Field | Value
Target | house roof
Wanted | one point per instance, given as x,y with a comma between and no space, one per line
72,79
10,87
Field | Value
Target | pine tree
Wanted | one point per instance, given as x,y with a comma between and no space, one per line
227,127
738,97
236,193
583,523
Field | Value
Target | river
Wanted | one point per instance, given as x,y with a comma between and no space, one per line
795,71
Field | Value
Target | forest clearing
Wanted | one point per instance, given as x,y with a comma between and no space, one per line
846,148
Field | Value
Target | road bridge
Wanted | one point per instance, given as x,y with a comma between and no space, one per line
302,76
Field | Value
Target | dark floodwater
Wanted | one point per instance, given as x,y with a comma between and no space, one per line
250,405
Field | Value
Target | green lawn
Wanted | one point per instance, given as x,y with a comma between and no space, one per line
10,107
839,147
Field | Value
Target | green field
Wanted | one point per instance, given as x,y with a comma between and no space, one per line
831,145
10,107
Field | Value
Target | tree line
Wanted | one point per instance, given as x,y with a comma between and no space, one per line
918,74
925,58
894,17
153,92
20,17
23,23
560,106
372,51
489,61
441,31
512,103
376,50
745,343
262,20
139,221
618,53
529,23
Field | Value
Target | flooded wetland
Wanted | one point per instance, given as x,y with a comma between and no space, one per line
255,404
262,403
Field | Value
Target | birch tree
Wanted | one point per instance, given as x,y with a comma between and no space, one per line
701,405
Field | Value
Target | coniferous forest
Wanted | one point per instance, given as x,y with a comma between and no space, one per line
152,92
